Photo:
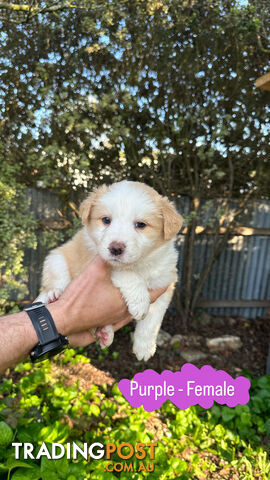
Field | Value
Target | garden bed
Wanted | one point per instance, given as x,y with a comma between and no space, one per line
120,362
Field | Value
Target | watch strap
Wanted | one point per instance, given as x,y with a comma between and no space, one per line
42,322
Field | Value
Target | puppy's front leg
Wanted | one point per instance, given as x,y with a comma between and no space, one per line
55,277
136,296
145,335
134,290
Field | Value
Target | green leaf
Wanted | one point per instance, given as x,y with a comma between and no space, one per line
54,469
22,474
6,434
264,382
30,433
267,426
12,463
3,467
227,414
77,470
178,465
94,409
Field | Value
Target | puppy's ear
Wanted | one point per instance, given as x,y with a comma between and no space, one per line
89,202
172,220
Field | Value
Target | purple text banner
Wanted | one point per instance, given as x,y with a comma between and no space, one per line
190,386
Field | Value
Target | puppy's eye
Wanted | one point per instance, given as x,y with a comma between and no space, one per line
106,220
140,225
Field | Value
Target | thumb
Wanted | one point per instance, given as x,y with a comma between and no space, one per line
155,294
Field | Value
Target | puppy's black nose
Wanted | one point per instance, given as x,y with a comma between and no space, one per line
117,248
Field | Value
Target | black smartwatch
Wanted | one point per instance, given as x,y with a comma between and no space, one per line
50,341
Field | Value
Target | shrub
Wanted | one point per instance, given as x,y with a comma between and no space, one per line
44,406
16,234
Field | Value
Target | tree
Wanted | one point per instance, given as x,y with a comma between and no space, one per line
162,92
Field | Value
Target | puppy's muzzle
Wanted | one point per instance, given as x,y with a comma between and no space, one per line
117,248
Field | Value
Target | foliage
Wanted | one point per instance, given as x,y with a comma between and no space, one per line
43,406
17,233
162,91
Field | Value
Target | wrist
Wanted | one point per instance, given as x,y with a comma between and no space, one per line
60,317
30,334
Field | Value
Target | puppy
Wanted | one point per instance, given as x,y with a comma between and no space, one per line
133,228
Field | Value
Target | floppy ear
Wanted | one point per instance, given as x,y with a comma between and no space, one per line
172,220
89,202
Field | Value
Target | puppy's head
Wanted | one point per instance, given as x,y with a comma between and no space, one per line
128,220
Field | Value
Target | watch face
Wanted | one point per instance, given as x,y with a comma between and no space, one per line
41,353
54,352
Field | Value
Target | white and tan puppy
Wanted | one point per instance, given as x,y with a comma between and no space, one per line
133,228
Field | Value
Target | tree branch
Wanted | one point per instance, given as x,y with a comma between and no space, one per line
261,47
34,11
14,7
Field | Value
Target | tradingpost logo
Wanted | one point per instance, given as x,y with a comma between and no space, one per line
97,451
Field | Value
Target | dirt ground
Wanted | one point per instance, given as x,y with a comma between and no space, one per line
119,362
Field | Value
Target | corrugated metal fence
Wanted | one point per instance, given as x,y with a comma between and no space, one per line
43,205
241,273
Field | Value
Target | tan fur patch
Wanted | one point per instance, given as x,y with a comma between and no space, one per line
172,220
77,254
98,211
154,229
90,201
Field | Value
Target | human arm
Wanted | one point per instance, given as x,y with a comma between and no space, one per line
89,301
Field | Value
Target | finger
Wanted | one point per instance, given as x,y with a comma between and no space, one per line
100,263
122,323
94,268
154,294
97,260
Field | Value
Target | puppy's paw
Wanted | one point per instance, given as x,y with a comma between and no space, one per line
144,349
43,297
53,295
50,296
105,336
134,291
139,306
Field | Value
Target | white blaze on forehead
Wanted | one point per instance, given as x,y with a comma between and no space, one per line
127,199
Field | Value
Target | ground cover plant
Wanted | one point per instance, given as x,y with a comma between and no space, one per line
53,403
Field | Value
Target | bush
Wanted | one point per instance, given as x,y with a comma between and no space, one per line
17,233
45,406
